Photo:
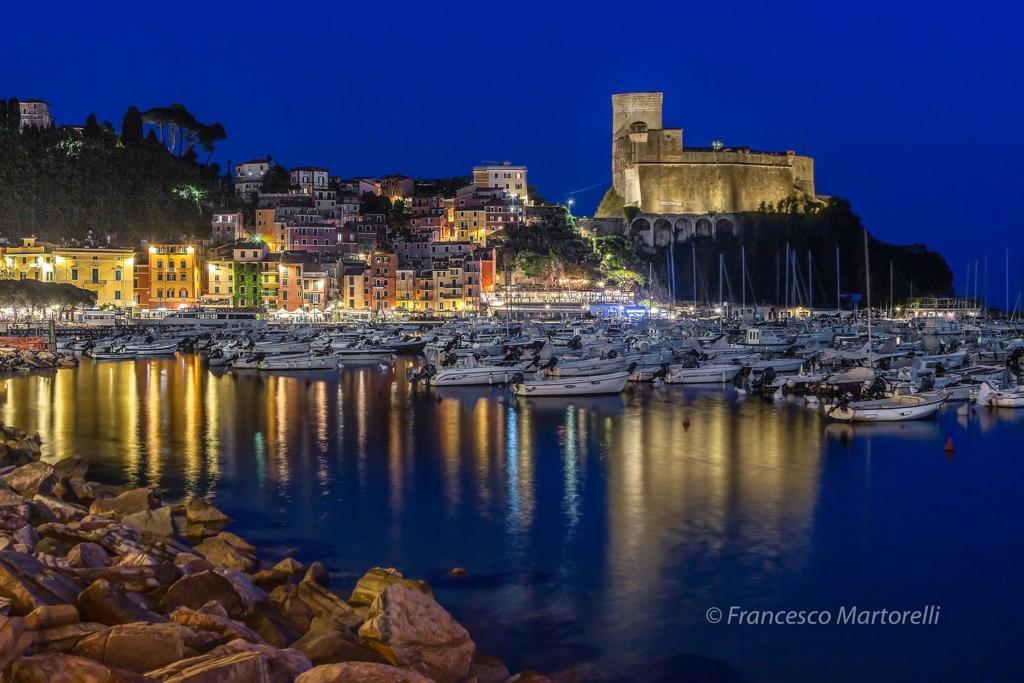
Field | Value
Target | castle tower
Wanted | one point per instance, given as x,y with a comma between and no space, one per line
631,107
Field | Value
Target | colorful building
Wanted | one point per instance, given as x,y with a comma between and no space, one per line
110,273
177,275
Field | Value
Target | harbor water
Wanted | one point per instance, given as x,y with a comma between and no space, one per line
595,532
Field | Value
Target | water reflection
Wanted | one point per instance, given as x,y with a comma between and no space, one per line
614,499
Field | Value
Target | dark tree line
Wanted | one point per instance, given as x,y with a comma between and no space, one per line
34,295
64,184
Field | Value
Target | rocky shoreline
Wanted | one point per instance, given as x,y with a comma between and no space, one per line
107,584
27,360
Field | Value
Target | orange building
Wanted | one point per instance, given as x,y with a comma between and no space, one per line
176,275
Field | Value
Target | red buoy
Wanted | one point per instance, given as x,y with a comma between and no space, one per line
949,445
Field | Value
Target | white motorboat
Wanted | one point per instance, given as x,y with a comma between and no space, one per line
376,354
154,348
110,353
893,409
765,340
281,347
988,395
592,385
299,361
777,365
582,367
708,374
467,375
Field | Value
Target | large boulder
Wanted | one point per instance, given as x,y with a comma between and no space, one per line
243,667
157,522
137,647
28,584
325,604
198,511
90,555
72,468
14,639
104,603
215,620
129,502
324,644
222,552
360,672
283,665
30,479
376,580
58,668
198,589
411,630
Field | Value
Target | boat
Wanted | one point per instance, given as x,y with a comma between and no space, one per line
592,385
281,347
467,375
989,396
892,409
582,367
709,374
299,361
153,348
110,353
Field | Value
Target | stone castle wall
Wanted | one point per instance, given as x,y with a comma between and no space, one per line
652,171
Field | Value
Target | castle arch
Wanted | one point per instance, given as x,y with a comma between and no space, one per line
684,229
725,225
703,228
662,232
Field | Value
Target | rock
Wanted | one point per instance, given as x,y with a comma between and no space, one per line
14,639
62,638
58,668
282,665
215,623
51,616
376,580
104,603
72,468
409,629
131,579
196,590
14,518
249,592
30,479
326,604
360,672
129,502
237,542
289,566
27,535
267,620
61,510
327,646
297,612
157,522
64,490
51,546
245,667
488,669
458,572
198,511
9,498
5,609
191,564
222,553
28,584
88,555
136,647
529,677
318,572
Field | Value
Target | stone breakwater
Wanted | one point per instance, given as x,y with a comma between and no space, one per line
105,584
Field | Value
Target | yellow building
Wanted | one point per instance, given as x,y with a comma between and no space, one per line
107,272
176,275
220,285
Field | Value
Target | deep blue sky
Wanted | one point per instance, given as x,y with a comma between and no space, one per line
912,110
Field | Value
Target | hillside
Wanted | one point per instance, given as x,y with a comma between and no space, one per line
64,183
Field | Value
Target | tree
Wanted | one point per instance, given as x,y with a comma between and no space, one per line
92,128
208,136
276,179
131,127
13,114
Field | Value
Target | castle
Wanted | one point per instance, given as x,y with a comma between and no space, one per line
691,187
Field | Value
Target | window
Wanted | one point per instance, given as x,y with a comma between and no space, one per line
117,274
117,295
184,293
74,273
159,294
95,276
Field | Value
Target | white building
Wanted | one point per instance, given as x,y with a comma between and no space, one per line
249,176
35,113
503,176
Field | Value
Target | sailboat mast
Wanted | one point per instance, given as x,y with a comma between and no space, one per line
810,284
867,291
743,264
839,296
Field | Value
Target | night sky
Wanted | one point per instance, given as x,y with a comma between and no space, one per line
912,110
